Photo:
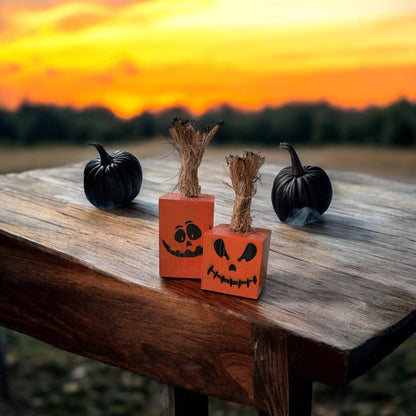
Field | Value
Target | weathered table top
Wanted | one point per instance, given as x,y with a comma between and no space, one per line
342,291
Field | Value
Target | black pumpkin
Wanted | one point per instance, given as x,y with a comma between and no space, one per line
112,180
300,186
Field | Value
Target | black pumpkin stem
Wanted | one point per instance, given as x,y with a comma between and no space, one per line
104,156
297,168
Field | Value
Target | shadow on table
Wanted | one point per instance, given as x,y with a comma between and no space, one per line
340,227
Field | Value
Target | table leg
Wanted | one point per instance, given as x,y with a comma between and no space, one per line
186,403
4,384
300,400
300,397
277,391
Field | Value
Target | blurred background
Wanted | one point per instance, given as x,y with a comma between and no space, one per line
335,78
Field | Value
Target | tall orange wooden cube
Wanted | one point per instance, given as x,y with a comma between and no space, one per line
182,224
235,263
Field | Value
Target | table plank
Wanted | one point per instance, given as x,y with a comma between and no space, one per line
343,290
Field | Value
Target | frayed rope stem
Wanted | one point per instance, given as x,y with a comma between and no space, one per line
244,175
190,144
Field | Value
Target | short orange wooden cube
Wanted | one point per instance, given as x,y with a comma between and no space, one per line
182,224
235,263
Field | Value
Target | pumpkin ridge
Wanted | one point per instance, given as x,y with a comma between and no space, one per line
117,177
99,191
135,177
88,179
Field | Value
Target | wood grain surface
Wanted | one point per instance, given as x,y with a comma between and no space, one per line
342,292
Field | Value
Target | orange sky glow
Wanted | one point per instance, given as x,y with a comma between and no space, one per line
132,56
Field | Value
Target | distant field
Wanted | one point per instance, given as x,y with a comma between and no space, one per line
397,163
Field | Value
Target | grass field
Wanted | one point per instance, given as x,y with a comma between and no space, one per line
399,163
47,381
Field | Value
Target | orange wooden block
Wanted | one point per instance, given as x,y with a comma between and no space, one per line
235,263
182,224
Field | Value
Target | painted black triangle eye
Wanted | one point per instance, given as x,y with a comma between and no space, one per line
249,252
193,231
219,248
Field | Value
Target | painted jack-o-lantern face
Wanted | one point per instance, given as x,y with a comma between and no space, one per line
182,223
188,241
233,276
235,263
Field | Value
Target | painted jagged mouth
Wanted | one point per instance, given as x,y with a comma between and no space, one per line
230,281
186,253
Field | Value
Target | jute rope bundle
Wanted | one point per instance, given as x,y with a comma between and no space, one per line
243,173
190,144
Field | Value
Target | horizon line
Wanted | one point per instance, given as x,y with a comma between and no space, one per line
219,107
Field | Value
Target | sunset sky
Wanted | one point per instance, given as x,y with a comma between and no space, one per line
132,56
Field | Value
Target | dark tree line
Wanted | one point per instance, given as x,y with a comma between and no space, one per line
317,124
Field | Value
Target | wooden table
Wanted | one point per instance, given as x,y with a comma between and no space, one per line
340,294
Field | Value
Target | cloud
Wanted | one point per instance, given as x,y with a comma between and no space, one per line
121,72
101,78
25,18
9,68
41,5
78,22
52,72
128,68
